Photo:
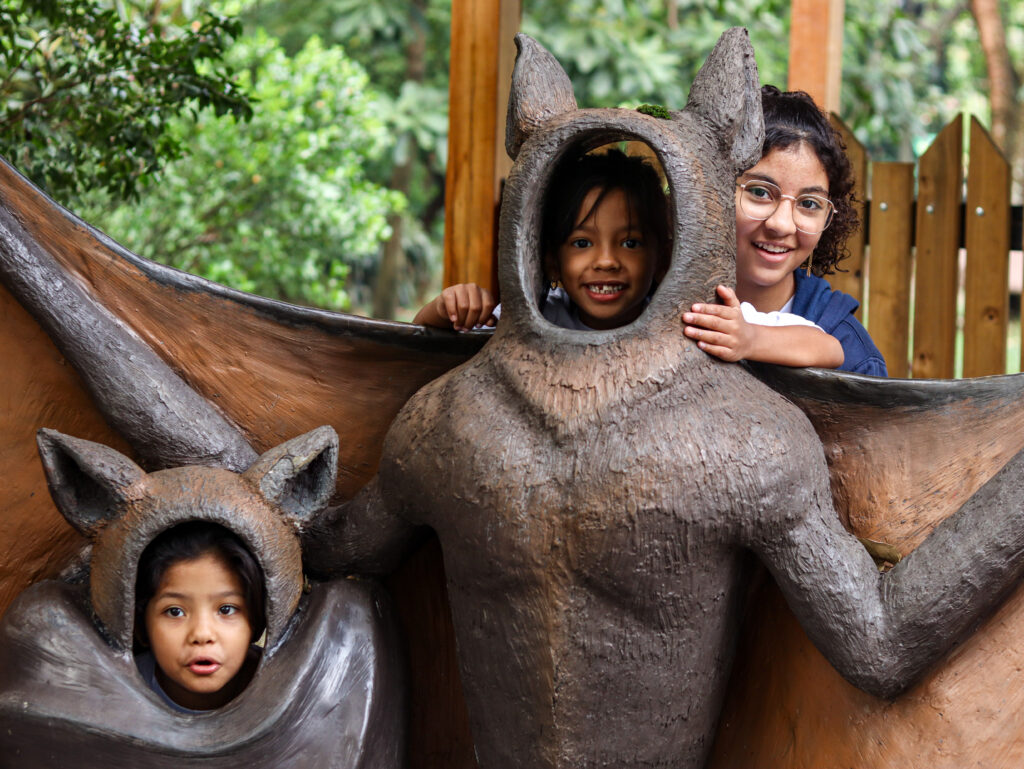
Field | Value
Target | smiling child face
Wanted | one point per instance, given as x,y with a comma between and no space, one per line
767,252
605,265
199,630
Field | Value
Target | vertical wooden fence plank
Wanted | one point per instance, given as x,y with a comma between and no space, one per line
940,191
892,199
987,308
852,280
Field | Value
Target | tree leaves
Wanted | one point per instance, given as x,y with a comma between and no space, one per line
87,95
280,205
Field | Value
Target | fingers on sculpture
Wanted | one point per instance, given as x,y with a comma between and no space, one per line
93,674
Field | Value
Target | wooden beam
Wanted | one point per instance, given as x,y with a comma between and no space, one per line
482,56
816,50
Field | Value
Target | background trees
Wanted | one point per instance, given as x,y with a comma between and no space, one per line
86,97
280,205
107,99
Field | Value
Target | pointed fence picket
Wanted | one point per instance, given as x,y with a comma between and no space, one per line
920,226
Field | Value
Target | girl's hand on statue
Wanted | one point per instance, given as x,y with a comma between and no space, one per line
461,307
719,329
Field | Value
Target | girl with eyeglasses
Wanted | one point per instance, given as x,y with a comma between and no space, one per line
794,213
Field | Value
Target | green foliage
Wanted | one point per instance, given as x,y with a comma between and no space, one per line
404,46
654,110
896,90
87,96
93,90
278,206
625,52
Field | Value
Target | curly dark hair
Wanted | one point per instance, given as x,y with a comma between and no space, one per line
792,117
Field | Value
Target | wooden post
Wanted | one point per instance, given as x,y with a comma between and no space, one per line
816,50
482,56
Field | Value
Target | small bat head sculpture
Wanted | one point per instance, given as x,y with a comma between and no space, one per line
121,508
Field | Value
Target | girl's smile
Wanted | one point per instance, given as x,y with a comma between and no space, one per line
605,265
768,251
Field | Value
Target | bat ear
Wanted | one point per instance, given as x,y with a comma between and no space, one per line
540,91
727,94
298,476
88,482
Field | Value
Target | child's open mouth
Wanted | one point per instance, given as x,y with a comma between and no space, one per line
204,667
604,292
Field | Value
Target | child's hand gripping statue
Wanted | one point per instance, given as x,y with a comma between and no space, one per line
460,307
736,331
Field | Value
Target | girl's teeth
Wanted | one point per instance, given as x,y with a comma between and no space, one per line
606,289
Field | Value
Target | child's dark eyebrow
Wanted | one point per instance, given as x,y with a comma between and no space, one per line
817,189
184,596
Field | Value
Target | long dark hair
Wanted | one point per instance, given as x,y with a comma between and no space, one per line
791,118
186,542
576,175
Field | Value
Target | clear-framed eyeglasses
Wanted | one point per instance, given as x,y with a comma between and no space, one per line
758,200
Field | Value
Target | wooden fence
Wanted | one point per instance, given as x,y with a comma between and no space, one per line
905,262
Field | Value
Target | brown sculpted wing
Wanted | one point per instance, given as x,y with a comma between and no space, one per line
171,369
102,344
903,456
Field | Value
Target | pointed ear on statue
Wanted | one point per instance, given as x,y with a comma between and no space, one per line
727,94
89,482
540,91
298,476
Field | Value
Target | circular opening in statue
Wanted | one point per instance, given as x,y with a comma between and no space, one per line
605,241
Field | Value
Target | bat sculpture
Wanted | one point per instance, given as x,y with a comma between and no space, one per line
328,690
605,501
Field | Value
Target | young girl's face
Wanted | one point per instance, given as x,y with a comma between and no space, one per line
767,252
605,265
199,630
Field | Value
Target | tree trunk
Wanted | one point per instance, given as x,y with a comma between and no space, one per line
392,261
1001,76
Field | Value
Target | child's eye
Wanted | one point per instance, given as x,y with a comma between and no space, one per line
227,610
810,203
632,243
579,243
174,611
760,192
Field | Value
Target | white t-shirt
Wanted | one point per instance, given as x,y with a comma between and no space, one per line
783,317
